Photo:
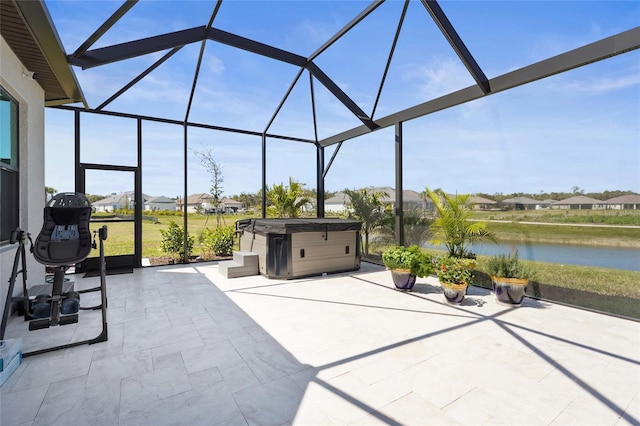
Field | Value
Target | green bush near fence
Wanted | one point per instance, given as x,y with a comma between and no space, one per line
218,241
172,241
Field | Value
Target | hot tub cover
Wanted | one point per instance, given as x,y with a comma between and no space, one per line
290,226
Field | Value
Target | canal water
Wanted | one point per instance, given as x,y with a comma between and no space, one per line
604,257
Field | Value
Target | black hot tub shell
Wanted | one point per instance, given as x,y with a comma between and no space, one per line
293,248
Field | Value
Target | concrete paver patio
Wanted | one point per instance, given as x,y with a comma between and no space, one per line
188,346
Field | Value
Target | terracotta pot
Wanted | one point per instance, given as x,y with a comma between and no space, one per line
403,279
509,291
453,293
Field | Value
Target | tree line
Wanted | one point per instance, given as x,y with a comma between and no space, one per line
557,196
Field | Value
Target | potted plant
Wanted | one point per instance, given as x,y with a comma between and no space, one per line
406,264
509,278
454,275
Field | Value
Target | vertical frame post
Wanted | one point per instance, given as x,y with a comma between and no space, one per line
185,246
79,171
137,225
264,175
399,226
320,181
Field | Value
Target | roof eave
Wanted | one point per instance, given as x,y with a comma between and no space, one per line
37,19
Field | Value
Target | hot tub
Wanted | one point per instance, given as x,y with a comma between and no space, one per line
293,248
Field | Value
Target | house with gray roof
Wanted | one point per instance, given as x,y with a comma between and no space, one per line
196,203
410,199
123,201
521,203
624,202
337,203
580,202
204,203
159,203
126,201
482,203
230,205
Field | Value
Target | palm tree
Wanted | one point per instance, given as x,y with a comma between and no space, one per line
286,201
49,192
415,225
368,208
453,226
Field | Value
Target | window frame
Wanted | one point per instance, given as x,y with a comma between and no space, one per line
10,171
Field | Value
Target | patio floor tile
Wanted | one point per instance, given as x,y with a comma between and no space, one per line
188,346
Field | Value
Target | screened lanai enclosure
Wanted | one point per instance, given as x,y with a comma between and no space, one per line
467,96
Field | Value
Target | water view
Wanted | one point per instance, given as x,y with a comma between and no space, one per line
604,257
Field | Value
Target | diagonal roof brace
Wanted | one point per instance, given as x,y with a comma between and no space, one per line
128,4
253,46
456,42
132,49
139,77
340,95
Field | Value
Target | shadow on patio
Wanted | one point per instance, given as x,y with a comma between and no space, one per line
190,346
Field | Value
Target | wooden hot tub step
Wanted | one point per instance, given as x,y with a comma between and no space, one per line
244,264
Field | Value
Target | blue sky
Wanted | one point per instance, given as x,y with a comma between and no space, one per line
580,128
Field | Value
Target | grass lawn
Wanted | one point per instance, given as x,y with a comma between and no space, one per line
604,217
120,234
567,234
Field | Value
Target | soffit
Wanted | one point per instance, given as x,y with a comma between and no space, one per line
27,29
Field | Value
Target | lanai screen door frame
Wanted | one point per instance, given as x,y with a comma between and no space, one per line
80,184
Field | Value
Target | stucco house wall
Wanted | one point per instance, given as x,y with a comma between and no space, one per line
30,97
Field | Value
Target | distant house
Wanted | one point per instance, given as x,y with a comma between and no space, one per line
126,201
204,203
410,200
160,203
481,203
624,202
521,203
579,202
229,205
122,201
307,207
546,204
337,203
196,203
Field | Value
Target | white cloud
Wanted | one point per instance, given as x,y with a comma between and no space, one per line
316,32
437,77
598,85
214,64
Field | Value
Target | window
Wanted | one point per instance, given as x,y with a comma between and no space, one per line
9,207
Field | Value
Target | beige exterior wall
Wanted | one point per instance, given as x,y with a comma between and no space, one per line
30,97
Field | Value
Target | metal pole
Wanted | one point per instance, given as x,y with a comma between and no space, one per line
79,172
185,257
137,239
320,181
264,175
399,227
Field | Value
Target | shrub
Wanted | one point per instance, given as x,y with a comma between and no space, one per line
412,258
219,241
509,267
173,241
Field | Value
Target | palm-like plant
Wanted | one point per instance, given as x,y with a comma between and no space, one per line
368,208
286,201
453,227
